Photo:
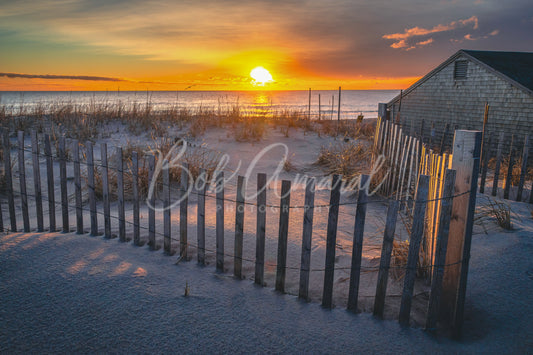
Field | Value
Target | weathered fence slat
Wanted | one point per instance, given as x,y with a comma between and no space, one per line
281,268
508,178
22,182
239,228
220,221
260,231
331,242
9,180
201,191
37,181
120,192
135,190
151,201
77,185
184,201
105,190
417,231
307,234
486,160
357,248
440,256
167,247
50,183
523,169
498,164
384,265
90,186
63,183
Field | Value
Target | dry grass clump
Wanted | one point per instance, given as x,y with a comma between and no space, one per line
250,129
517,170
400,252
347,159
499,211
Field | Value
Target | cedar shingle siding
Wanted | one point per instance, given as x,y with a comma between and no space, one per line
456,92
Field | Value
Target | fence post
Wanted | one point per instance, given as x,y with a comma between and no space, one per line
417,231
184,201
440,252
77,186
523,170
283,235
50,183
135,188
63,183
509,176
9,180
151,200
22,179
201,217
105,190
331,242
384,264
498,163
486,159
357,246
120,193
37,181
307,233
260,231
91,188
167,248
239,228
220,221
465,161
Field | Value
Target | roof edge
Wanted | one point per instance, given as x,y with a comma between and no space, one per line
448,61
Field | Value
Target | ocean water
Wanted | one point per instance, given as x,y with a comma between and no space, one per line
323,102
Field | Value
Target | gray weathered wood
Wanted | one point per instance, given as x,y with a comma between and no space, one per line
37,181
417,231
120,194
260,230
469,225
151,202
184,201
105,190
239,228
281,268
498,164
331,242
523,169
440,255
77,185
135,190
201,189
91,187
220,221
386,251
50,183
357,245
9,180
167,247
486,159
63,182
307,234
22,182
510,165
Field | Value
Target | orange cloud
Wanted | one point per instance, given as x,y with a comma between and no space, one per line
402,37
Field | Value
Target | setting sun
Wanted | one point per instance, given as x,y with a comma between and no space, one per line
261,76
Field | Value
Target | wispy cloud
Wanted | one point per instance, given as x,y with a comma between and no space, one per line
401,38
59,77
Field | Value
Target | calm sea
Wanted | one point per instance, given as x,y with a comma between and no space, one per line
353,102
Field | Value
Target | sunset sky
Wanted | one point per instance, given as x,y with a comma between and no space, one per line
213,45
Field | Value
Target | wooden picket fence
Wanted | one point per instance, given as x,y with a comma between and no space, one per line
426,188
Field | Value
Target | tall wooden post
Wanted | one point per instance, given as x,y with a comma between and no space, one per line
466,154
